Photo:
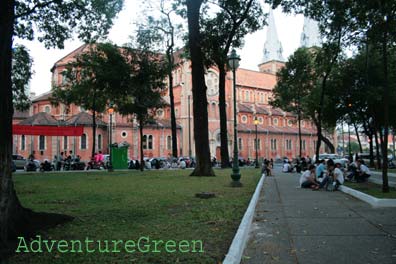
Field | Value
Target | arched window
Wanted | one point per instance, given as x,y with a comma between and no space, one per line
47,109
247,96
273,144
240,143
303,144
65,143
83,142
99,141
212,83
23,142
275,121
168,142
258,143
41,142
147,141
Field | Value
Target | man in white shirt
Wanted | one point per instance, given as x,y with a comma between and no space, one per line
338,174
307,179
363,172
286,167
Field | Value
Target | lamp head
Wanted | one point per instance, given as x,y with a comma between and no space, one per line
233,60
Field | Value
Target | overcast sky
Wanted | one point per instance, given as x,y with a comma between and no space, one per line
289,30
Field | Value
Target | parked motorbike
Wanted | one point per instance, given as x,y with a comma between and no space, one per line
46,166
93,165
31,165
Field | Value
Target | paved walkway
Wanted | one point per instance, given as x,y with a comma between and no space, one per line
294,225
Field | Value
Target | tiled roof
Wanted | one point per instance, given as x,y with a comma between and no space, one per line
262,110
273,129
42,97
163,123
42,118
276,112
84,118
20,114
257,79
243,108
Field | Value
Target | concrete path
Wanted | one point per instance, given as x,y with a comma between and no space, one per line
294,225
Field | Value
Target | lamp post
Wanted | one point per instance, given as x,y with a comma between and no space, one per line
256,122
233,62
189,129
110,111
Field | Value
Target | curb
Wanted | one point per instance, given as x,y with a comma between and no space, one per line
238,244
375,202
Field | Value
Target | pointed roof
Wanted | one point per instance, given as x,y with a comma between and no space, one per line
84,119
40,119
272,46
310,36
42,97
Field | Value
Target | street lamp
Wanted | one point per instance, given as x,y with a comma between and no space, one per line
256,122
233,62
110,111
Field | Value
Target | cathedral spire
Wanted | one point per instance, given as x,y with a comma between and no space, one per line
310,36
272,46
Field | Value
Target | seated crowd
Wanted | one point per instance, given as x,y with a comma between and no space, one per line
330,175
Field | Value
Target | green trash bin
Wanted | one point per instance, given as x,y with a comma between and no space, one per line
119,157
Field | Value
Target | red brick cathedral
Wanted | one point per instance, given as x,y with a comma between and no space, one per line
277,130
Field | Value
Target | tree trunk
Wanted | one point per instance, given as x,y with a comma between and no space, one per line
11,211
299,134
169,54
385,100
225,157
93,133
141,145
358,137
377,151
328,143
200,102
371,151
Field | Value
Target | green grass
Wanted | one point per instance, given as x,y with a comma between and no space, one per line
129,205
389,170
372,189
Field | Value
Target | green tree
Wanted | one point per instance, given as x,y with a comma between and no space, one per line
295,83
352,23
91,80
200,102
21,75
167,31
219,32
142,93
52,22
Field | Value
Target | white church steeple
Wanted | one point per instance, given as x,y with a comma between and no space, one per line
272,46
310,36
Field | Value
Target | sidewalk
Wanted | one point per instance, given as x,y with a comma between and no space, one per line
294,225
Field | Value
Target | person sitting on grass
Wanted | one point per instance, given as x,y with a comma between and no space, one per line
307,179
320,169
363,172
335,174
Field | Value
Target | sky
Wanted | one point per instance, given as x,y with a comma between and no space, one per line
289,29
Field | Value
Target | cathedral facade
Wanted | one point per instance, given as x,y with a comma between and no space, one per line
277,130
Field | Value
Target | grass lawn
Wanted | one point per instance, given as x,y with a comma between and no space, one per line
389,170
372,189
160,205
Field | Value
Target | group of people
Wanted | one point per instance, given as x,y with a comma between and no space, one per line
330,174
